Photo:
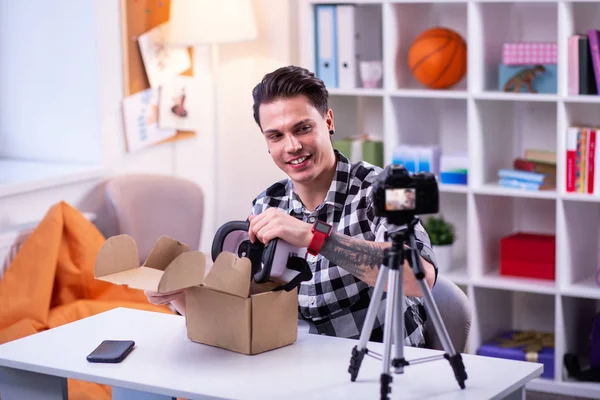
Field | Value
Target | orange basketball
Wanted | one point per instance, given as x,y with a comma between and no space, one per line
438,58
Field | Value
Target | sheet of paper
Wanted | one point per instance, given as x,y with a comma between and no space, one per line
140,114
180,104
162,61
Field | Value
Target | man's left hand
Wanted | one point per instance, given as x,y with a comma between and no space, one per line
275,223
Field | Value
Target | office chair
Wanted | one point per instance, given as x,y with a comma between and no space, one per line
453,305
146,206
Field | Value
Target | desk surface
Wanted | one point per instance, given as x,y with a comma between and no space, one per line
315,367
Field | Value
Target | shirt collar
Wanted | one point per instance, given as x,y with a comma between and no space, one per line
336,195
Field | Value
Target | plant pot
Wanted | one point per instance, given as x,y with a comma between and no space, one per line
443,257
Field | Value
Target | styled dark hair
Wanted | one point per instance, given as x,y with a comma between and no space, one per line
287,82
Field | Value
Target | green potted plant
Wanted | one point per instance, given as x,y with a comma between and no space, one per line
442,236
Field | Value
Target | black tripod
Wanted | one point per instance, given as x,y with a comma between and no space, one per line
394,315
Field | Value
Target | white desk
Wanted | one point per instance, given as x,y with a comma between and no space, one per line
165,362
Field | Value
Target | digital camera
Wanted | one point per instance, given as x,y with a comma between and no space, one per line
399,195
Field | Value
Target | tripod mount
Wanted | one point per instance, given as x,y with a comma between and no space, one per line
403,244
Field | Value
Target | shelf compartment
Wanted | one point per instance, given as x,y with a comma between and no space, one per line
578,256
355,116
453,208
429,121
504,130
574,333
495,217
503,22
511,310
409,20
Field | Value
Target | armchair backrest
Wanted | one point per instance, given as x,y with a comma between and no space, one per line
148,206
455,310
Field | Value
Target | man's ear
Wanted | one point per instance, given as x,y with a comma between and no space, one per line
329,120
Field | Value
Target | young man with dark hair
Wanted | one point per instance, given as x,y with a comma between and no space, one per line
323,187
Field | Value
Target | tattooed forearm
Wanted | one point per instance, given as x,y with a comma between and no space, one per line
362,259
359,257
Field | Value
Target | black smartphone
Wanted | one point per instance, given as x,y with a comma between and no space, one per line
111,351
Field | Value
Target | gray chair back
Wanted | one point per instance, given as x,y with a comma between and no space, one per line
455,309
148,206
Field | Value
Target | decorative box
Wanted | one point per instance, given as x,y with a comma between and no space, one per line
545,82
361,148
532,346
528,255
522,53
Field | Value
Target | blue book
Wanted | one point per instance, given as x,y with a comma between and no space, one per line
519,175
518,184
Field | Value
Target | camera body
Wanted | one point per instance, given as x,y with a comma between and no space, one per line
399,195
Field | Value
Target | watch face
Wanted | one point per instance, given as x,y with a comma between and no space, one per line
322,227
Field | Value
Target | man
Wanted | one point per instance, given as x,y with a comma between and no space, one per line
291,109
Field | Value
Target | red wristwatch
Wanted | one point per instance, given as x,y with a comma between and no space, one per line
321,231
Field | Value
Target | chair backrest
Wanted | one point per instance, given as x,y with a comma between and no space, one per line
149,206
453,305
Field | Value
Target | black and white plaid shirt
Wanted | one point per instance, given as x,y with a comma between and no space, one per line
334,302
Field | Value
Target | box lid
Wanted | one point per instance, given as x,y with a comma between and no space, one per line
169,267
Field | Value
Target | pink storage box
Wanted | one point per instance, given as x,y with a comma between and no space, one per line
524,53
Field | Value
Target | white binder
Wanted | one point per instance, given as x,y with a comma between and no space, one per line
346,36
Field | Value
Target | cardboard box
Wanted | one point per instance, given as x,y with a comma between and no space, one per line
223,308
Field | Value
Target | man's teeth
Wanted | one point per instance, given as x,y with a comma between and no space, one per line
298,160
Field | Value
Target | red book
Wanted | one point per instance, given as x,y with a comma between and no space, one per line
591,160
571,158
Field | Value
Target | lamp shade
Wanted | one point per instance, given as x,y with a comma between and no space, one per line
197,22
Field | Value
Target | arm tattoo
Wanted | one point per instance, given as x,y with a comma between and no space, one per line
359,257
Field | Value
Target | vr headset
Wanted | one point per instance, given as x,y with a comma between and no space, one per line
278,261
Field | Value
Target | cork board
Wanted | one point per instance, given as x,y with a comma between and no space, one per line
137,17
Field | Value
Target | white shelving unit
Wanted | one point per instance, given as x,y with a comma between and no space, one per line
494,127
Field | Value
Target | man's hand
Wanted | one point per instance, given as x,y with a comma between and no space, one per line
276,223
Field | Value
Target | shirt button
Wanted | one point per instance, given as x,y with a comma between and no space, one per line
311,219
312,301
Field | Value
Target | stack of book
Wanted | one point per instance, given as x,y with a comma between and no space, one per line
584,63
581,160
536,170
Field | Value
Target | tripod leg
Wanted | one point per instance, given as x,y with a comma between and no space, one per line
399,362
390,316
359,351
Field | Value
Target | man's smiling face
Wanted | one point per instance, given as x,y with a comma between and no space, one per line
297,137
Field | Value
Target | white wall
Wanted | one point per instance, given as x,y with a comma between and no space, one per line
48,81
244,167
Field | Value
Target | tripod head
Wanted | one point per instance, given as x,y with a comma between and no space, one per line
404,242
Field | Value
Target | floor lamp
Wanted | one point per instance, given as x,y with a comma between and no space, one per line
211,22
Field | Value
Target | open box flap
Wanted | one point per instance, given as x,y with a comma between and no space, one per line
230,274
117,262
164,252
185,271
118,253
